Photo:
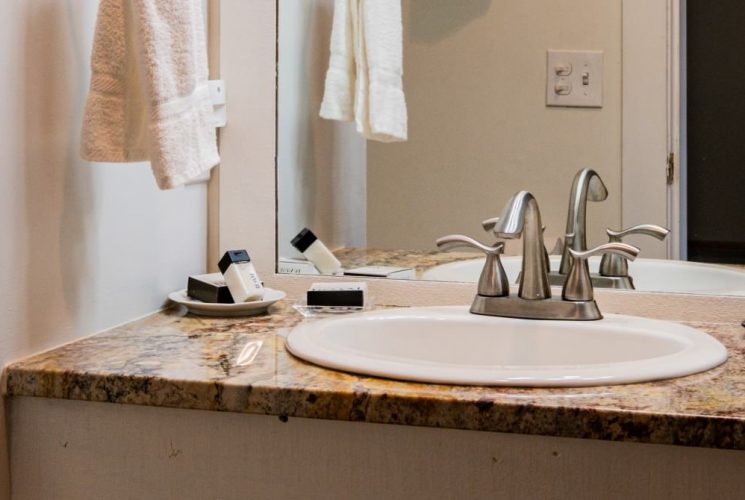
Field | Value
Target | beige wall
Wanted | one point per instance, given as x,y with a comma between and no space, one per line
84,246
479,130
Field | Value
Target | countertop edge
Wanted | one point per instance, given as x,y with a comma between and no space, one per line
484,415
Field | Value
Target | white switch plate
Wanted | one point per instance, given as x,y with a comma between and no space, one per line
574,78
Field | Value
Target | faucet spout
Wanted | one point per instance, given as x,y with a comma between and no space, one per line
587,185
521,215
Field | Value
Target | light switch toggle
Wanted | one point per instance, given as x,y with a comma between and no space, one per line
585,78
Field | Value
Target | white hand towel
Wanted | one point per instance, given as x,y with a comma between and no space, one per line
364,81
149,98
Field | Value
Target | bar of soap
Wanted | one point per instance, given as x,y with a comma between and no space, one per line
209,288
349,294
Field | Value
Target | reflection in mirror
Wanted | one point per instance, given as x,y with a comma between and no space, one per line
487,117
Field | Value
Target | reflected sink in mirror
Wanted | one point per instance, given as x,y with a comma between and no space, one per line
451,346
649,275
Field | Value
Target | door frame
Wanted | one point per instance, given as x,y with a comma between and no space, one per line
652,121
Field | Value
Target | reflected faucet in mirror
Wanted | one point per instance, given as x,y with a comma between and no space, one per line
587,185
521,217
614,269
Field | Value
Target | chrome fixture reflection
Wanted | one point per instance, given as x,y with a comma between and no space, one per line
521,217
616,266
587,185
614,269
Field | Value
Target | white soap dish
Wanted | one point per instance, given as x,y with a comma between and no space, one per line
253,308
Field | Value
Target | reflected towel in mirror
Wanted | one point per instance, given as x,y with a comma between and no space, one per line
364,81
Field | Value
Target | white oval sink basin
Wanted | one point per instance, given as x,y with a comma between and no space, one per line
452,346
650,275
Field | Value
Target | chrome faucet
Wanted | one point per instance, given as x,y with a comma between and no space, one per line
522,217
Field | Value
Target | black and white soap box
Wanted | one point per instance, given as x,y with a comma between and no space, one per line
347,294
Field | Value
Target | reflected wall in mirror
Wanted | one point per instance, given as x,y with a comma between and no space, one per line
477,83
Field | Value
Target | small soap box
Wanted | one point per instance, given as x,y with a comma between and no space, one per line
350,294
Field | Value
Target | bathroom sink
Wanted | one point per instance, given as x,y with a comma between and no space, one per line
452,346
650,275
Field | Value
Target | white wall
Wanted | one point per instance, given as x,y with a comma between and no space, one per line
84,246
479,128
321,165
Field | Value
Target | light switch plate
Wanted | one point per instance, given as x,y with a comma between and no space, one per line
574,78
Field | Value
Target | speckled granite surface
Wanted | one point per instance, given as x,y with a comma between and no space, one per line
175,360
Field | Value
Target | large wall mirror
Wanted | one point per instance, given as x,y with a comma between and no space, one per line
478,82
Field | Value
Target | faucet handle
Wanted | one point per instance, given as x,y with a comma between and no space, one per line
654,230
578,286
493,280
616,265
490,223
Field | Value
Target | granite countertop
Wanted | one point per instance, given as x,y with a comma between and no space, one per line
171,359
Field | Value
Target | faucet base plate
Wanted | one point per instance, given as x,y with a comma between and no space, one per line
550,309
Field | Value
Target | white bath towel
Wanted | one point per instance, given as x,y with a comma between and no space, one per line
149,98
364,81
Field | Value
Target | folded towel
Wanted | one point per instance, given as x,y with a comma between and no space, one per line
149,98
364,80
